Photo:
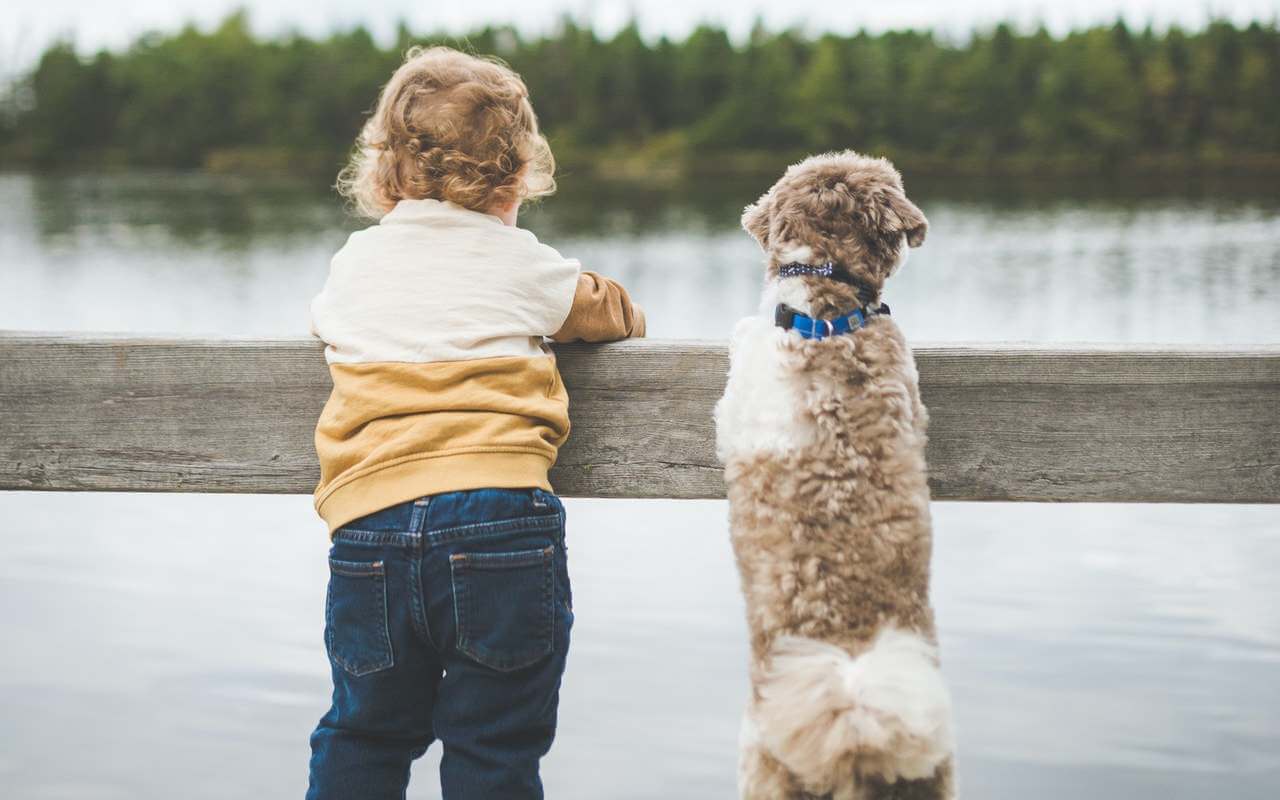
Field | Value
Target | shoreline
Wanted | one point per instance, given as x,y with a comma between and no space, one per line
654,163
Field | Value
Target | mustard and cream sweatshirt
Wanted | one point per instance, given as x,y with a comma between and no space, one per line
434,322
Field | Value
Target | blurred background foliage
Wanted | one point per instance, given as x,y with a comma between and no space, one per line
1105,98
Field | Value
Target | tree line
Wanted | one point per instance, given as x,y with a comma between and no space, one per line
1103,96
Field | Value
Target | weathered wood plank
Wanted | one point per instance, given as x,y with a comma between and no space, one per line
1010,422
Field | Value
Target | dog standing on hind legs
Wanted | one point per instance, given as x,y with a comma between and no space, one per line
822,434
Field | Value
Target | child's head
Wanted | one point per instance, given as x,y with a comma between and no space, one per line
454,127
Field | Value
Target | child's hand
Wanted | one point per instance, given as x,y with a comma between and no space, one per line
638,331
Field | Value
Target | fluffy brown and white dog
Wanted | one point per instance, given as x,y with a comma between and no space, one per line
822,434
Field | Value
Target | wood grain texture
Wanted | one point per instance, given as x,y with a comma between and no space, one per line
1010,422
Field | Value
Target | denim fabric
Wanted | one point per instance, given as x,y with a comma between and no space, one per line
447,618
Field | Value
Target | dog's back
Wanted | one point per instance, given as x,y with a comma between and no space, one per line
823,443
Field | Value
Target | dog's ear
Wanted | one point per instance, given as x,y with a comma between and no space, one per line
756,219
900,216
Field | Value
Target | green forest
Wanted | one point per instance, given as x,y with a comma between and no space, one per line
1104,98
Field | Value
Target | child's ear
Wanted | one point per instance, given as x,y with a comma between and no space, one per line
755,219
901,217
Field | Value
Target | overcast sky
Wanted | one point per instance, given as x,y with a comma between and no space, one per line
29,26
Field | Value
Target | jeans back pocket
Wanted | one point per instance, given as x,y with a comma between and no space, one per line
356,634
505,606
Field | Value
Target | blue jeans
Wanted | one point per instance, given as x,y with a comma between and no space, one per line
447,618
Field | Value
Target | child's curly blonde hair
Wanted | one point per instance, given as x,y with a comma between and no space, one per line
449,126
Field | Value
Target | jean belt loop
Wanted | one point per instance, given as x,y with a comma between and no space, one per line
418,520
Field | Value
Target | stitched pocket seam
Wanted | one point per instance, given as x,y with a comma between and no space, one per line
461,563
375,574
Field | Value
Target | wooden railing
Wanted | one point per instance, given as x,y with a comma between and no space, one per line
1009,422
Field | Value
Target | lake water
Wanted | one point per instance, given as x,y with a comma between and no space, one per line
164,646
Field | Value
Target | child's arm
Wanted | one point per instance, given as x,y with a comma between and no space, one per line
602,312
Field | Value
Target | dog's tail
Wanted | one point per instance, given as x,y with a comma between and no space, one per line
886,710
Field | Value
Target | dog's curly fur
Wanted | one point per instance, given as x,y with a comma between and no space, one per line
823,444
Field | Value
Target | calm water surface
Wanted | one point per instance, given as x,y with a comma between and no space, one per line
166,646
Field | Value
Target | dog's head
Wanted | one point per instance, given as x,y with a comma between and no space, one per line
841,207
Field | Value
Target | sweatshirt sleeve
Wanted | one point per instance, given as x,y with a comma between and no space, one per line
602,311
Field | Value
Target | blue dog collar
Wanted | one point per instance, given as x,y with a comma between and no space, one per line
789,319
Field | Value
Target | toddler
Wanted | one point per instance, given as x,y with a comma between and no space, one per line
449,608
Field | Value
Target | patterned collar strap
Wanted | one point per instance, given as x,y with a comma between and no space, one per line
795,268
835,272
789,319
